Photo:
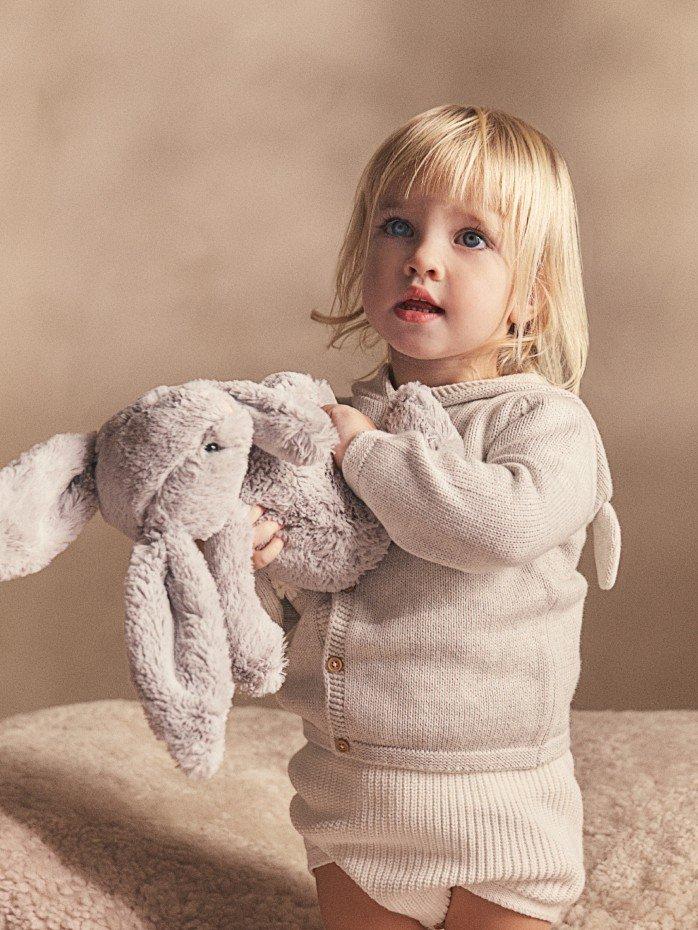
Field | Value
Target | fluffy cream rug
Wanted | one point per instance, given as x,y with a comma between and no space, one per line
99,831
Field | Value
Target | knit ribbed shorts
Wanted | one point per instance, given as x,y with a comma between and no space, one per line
407,837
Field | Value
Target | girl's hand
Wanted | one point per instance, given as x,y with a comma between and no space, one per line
266,545
348,422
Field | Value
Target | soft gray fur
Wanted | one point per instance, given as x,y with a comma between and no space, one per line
184,463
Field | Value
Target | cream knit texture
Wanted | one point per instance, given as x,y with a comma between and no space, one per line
460,651
408,837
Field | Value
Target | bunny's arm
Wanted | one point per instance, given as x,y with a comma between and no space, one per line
266,592
255,638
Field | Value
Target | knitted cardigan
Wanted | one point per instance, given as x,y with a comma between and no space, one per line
460,651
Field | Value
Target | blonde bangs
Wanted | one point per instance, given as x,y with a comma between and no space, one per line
493,162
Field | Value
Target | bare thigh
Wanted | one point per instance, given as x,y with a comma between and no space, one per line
346,906
467,911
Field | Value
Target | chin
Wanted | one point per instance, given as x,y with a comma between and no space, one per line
416,345
420,353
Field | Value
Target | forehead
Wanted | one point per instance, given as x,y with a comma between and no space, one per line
452,209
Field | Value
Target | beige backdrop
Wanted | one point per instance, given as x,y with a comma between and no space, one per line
175,182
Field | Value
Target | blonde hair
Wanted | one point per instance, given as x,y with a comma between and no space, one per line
501,163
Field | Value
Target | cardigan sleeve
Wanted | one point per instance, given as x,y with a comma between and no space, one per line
283,603
268,598
535,488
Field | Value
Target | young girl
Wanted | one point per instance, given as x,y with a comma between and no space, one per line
436,787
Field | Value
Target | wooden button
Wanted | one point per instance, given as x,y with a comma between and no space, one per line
334,664
342,745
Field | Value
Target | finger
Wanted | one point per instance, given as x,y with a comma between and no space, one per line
256,511
262,557
263,531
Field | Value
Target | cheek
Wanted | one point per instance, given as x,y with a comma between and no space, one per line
482,305
375,278
484,287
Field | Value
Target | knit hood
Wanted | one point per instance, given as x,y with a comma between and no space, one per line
377,390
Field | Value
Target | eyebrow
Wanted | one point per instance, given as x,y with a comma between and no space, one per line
467,214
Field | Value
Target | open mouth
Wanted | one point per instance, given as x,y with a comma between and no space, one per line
416,311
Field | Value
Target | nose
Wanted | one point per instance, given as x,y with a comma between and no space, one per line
425,260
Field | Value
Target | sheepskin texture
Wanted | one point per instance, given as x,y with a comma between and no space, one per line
99,832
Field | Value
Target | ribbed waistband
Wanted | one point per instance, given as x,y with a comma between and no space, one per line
435,760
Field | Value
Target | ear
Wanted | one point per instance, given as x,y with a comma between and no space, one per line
257,646
520,315
177,649
47,495
289,422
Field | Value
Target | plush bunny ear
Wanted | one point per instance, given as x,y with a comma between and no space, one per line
178,649
47,495
289,422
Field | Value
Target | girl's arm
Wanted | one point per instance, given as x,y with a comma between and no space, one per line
535,489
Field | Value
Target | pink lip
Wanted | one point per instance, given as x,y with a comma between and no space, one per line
415,316
418,293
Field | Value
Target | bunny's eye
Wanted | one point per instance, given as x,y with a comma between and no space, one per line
212,447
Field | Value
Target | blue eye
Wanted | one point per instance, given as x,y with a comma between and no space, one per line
393,220
471,231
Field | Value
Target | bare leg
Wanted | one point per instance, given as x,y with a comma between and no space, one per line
467,911
346,906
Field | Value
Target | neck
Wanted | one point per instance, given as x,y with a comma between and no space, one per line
437,371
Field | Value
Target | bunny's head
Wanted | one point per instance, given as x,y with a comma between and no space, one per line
177,456
168,470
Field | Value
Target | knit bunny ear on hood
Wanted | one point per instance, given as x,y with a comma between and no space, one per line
605,525
606,530
47,495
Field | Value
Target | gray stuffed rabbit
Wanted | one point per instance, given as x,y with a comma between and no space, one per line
184,463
